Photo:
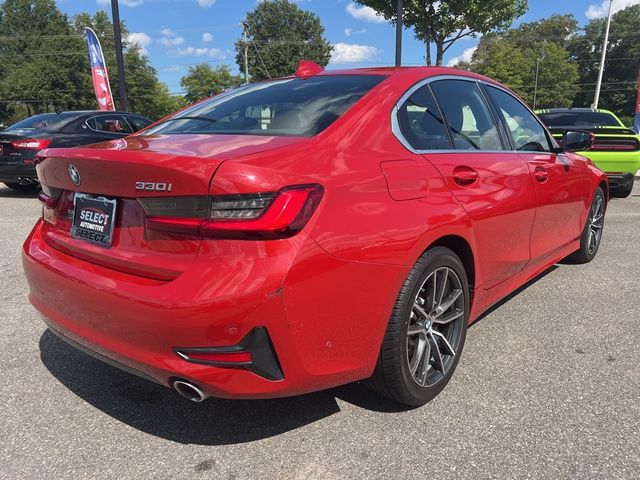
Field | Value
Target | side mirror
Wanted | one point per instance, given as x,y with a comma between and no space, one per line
577,140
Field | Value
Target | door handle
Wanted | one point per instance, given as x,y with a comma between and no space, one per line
541,174
464,176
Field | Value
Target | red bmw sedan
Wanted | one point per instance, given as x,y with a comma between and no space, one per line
301,233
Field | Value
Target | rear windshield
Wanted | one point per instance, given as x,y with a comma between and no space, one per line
46,122
283,107
579,119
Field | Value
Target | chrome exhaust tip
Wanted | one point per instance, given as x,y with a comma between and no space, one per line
189,391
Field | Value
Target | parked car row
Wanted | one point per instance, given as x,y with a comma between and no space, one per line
20,142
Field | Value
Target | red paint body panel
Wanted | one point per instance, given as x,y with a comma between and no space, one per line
325,294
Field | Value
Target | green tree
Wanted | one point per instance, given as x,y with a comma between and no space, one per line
513,56
203,81
145,94
281,34
443,22
38,54
619,82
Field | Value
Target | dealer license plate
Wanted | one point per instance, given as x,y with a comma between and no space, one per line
93,219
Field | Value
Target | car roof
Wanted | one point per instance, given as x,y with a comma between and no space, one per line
90,112
419,72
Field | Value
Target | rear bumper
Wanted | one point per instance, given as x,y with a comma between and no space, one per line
17,172
326,335
620,181
626,162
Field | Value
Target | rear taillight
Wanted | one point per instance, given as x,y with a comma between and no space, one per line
253,216
31,143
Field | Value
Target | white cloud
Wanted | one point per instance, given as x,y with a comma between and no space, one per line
170,38
367,14
352,53
350,31
190,51
141,39
173,68
465,57
206,3
126,3
599,11
207,37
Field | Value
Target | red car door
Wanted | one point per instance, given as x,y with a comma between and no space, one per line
491,183
560,180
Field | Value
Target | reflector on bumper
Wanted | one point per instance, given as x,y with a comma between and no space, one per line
254,353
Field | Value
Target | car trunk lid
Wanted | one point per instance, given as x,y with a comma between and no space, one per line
127,170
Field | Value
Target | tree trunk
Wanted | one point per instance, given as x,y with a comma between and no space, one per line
428,44
439,52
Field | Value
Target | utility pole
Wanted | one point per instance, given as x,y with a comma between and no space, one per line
117,35
399,34
246,53
535,88
596,97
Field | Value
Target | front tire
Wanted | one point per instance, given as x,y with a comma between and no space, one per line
426,331
592,233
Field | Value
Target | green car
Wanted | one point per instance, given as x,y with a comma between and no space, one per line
615,150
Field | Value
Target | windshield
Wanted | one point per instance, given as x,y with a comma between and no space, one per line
579,119
283,107
46,122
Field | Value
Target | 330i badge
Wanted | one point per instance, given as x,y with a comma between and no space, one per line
306,232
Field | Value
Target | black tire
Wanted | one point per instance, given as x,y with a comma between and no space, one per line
18,187
622,192
592,233
398,375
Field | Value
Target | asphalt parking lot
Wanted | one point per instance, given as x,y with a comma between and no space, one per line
548,387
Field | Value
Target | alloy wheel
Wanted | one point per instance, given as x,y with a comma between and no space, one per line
435,326
596,221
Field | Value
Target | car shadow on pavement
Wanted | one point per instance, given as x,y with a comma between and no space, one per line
159,411
6,192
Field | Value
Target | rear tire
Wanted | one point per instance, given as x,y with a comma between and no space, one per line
622,192
18,187
592,232
426,330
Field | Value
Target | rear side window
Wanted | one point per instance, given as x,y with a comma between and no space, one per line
109,123
468,118
526,132
579,119
283,107
420,122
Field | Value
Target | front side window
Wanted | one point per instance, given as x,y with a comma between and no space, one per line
467,115
526,132
290,107
420,122
138,122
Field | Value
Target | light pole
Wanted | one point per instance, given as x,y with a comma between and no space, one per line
399,33
246,53
535,88
596,97
117,36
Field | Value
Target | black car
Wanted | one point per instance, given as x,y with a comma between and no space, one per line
20,142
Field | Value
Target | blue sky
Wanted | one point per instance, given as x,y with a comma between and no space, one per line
178,33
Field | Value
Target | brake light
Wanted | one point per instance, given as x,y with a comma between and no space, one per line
31,143
251,216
